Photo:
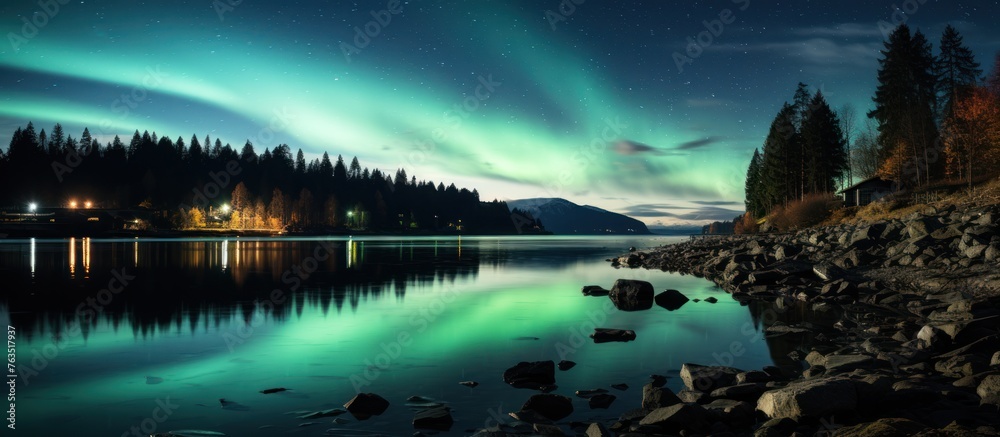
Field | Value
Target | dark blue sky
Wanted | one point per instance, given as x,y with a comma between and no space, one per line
518,98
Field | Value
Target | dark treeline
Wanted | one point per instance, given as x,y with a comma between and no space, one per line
935,120
805,152
196,183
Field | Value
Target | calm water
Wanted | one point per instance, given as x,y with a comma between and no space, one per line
115,334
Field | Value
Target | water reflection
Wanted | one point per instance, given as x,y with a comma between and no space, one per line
202,319
196,277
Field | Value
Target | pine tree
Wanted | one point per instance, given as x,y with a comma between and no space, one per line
824,147
300,162
339,170
56,140
354,172
777,182
904,100
753,202
956,69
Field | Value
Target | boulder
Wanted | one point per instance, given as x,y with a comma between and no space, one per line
814,398
602,401
654,397
847,362
566,365
632,295
707,378
765,277
529,416
989,390
671,299
676,418
546,429
434,418
995,361
932,338
922,227
960,366
595,290
731,410
776,428
886,427
533,375
605,335
753,376
598,429
828,272
551,406
748,391
365,405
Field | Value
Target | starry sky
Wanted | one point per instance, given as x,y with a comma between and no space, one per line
649,108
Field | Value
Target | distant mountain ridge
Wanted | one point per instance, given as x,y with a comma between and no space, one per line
563,217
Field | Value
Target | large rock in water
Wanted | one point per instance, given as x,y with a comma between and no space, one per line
366,405
551,406
632,295
604,335
811,398
533,375
438,418
671,299
707,378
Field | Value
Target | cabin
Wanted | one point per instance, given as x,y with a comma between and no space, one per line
867,191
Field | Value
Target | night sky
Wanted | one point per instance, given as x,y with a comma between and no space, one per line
515,98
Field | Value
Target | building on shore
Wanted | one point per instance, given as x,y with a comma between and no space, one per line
867,191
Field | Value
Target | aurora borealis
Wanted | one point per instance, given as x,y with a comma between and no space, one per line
517,99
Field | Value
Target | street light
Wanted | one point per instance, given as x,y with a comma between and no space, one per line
72,204
88,204
225,208
32,207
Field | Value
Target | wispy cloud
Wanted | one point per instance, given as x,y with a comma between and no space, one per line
843,30
697,144
818,51
627,147
703,213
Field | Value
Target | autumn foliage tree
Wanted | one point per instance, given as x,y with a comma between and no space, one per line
972,135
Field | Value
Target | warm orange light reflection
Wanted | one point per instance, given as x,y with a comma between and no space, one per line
86,257
72,257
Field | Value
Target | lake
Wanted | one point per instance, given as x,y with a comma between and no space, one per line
146,335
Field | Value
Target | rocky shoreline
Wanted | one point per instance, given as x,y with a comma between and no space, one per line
914,348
